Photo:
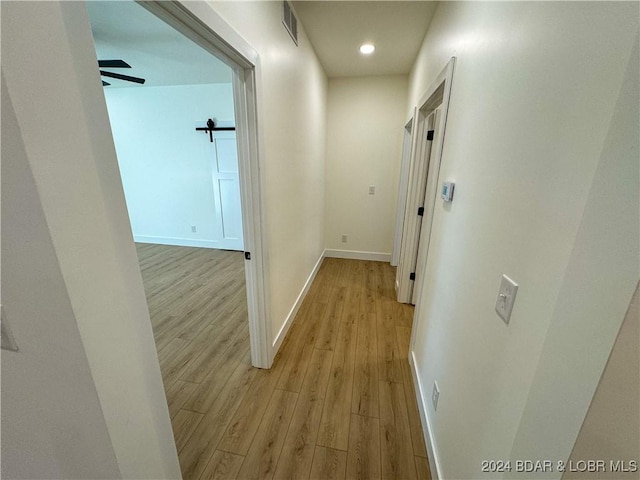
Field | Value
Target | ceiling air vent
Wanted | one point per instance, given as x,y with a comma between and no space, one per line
290,21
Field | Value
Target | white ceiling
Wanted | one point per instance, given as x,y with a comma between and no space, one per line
155,51
336,29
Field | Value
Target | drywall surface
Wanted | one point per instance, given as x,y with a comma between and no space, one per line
600,278
89,284
292,91
533,95
365,123
166,165
611,429
52,423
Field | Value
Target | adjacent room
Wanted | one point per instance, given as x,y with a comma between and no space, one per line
171,111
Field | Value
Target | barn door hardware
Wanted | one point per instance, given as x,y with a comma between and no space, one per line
211,127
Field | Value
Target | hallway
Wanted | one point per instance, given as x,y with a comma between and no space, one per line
338,401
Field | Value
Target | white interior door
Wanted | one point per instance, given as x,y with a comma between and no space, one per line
428,205
405,274
407,144
226,188
423,182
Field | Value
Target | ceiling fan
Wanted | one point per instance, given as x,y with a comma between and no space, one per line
117,64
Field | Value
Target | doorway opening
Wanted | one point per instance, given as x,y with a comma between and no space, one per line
421,186
203,27
184,125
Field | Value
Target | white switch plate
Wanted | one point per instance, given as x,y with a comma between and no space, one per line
506,298
435,395
372,189
7,340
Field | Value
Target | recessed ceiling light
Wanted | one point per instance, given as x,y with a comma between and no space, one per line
367,49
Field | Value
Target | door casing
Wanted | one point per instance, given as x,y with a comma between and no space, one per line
437,96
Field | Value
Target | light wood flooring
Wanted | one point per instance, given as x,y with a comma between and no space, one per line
338,401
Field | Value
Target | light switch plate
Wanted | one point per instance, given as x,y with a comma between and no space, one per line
435,395
6,337
506,298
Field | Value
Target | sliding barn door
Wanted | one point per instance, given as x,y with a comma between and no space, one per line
226,187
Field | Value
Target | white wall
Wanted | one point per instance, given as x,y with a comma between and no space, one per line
597,287
611,429
533,97
83,398
52,423
292,95
365,123
166,166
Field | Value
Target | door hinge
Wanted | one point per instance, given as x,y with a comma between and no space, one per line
421,211
430,135
247,255
412,276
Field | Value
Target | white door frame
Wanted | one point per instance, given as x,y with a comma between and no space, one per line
444,79
407,145
199,22
437,95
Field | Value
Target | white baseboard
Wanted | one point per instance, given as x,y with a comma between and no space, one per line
179,242
429,439
296,306
357,255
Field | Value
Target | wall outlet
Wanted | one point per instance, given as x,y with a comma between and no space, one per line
372,189
435,395
344,238
506,298
193,229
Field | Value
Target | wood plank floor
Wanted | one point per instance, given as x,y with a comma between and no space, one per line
339,400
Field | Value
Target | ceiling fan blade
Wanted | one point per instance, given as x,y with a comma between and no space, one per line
119,76
105,84
113,64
